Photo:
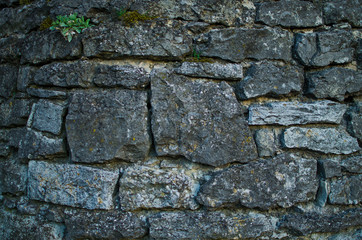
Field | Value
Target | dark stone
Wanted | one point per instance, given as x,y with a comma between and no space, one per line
14,112
83,8
45,93
346,190
352,164
200,120
114,122
329,168
10,48
8,79
282,181
335,11
268,78
323,192
13,176
356,123
359,54
25,77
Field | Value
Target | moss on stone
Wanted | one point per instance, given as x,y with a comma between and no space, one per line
133,17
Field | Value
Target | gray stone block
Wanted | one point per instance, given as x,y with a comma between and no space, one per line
10,48
335,11
8,79
71,185
198,119
267,141
13,176
14,112
281,181
356,123
352,164
346,190
46,93
25,77
329,168
325,140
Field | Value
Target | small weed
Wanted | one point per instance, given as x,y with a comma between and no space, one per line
47,23
133,17
196,54
196,57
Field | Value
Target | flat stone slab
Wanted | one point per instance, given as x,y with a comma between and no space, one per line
281,181
346,190
295,113
114,124
71,185
325,140
198,119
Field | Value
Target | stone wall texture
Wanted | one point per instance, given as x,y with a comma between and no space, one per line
213,119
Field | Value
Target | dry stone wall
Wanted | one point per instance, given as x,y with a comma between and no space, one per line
215,119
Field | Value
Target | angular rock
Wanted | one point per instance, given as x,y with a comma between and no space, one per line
112,225
313,222
352,164
10,48
282,181
335,11
14,112
13,176
83,8
267,141
71,185
334,82
237,44
150,39
325,140
227,71
34,145
45,93
198,119
144,187
323,192
356,123
288,13
114,123
346,190
294,113
324,48
47,117
8,77
268,78
329,168
209,225
25,77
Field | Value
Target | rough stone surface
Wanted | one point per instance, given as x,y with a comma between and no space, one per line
71,185
352,164
114,123
10,48
293,113
209,225
334,82
335,11
45,93
323,48
150,39
325,140
14,112
198,119
267,141
282,181
346,190
237,44
13,176
211,70
329,168
356,123
311,222
144,187
8,77
288,13
112,225
359,55
25,77
268,78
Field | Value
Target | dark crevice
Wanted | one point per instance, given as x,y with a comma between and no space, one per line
149,107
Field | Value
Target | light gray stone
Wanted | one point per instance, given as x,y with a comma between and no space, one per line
71,185
14,112
46,93
13,176
352,164
144,187
114,124
198,119
281,181
294,113
325,140
329,168
346,190
335,11
8,78
267,141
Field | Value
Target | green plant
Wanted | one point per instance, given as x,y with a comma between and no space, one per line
70,25
196,54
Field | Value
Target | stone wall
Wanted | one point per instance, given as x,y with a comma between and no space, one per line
219,119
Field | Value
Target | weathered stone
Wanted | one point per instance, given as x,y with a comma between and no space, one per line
14,112
352,164
35,145
312,222
267,78
198,119
288,13
356,123
15,226
227,71
359,55
335,11
112,225
40,47
47,117
144,187
335,82
282,181
323,192
4,150
329,168
267,141
25,77
10,48
325,140
8,3
13,176
209,225
83,8
45,93
8,76
114,122
237,44
149,39
346,190
293,113
324,48
71,185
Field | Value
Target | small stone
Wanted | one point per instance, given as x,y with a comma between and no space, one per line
10,48
325,140
356,123
13,176
323,192
336,11
14,112
8,78
352,164
25,77
71,185
346,190
45,93
329,168
267,141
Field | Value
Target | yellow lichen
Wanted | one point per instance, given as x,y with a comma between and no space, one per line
133,17
47,23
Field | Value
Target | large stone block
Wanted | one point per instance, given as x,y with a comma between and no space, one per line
198,119
329,168
10,48
144,187
114,124
8,79
71,185
14,112
209,225
325,140
237,44
346,190
335,11
25,77
282,181
271,79
288,13
294,113
13,176
352,164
